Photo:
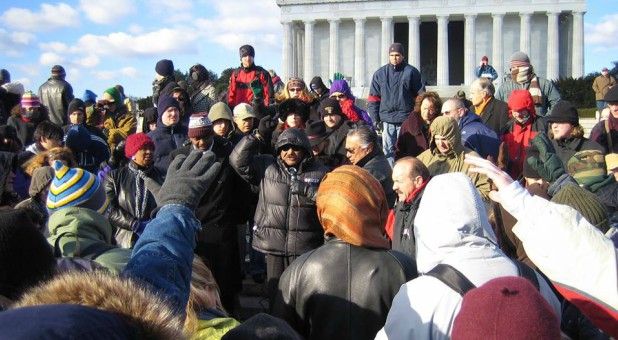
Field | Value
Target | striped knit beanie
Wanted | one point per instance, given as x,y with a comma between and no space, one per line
200,126
352,206
586,166
30,99
75,187
58,71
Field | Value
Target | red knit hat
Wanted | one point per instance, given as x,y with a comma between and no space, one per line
507,307
135,142
521,99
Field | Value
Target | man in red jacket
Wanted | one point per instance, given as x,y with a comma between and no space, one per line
249,80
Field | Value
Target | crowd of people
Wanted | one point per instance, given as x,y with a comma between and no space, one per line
421,217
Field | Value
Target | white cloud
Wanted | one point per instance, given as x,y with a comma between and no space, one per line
604,33
88,61
161,42
48,18
179,11
13,43
135,29
104,75
108,11
56,47
51,58
130,72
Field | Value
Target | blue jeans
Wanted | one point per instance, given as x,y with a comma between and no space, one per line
390,132
600,105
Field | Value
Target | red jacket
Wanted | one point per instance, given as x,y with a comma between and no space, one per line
517,137
240,89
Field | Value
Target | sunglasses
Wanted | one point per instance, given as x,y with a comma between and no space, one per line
296,89
287,147
338,96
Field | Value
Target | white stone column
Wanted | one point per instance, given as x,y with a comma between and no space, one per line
387,37
359,52
287,63
524,33
553,47
469,48
497,54
414,41
309,26
578,45
299,52
333,60
443,64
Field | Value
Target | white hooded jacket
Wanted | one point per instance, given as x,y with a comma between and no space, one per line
451,227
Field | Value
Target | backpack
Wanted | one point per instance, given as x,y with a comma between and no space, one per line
458,282
84,260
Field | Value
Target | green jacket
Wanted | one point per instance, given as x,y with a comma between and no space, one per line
214,329
83,227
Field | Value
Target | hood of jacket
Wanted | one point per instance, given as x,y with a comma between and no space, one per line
146,312
81,224
294,136
463,229
77,138
468,118
449,129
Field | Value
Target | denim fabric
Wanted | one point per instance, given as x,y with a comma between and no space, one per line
163,255
390,133
600,105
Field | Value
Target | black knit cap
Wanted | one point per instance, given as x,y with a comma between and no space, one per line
165,67
76,105
246,50
396,47
330,106
611,95
564,112
25,256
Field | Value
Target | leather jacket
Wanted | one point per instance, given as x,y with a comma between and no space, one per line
56,94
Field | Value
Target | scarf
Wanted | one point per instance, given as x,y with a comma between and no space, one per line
479,109
347,106
525,75
141,194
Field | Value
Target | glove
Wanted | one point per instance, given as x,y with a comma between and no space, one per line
549,165
338,76
139,226
256,88
187,179
303,189
267,126
378,128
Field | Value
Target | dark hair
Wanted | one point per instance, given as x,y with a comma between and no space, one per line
48,130
365,135
433,97
417,168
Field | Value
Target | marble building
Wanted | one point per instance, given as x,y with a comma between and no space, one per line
445,39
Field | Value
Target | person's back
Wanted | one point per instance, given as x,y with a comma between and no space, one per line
348,298
55,95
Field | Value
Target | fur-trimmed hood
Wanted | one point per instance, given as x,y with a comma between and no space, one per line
146,312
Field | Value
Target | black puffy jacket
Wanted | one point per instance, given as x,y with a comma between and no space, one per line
341,291
285,223
120,187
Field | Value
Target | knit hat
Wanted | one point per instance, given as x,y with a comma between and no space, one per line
528,171
246,50
352,206
396,47
244,111
521,99
586,203
41,177
330,106
294,105
5,76
564,112
136,142
520,59
220,111
262,326
166,101
165,67
76,105
585,166
317,132
112,95
200,126
296,82
29,99
75,187
25,256
484,58
507,307
611,95
58,71
611,161
89,96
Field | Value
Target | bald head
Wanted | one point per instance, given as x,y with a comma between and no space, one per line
453,108
408,174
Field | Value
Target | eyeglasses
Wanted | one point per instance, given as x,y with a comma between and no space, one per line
287,147
295,89
338,96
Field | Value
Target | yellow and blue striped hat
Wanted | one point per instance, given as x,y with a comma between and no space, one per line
75,187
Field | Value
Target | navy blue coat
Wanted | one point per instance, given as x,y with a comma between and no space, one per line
166,139
478,137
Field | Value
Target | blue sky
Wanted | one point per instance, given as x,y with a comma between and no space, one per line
106,42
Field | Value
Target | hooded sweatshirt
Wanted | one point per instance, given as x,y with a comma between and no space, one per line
453,161
425,308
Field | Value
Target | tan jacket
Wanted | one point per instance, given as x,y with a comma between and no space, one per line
602,84
119,127
439,163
